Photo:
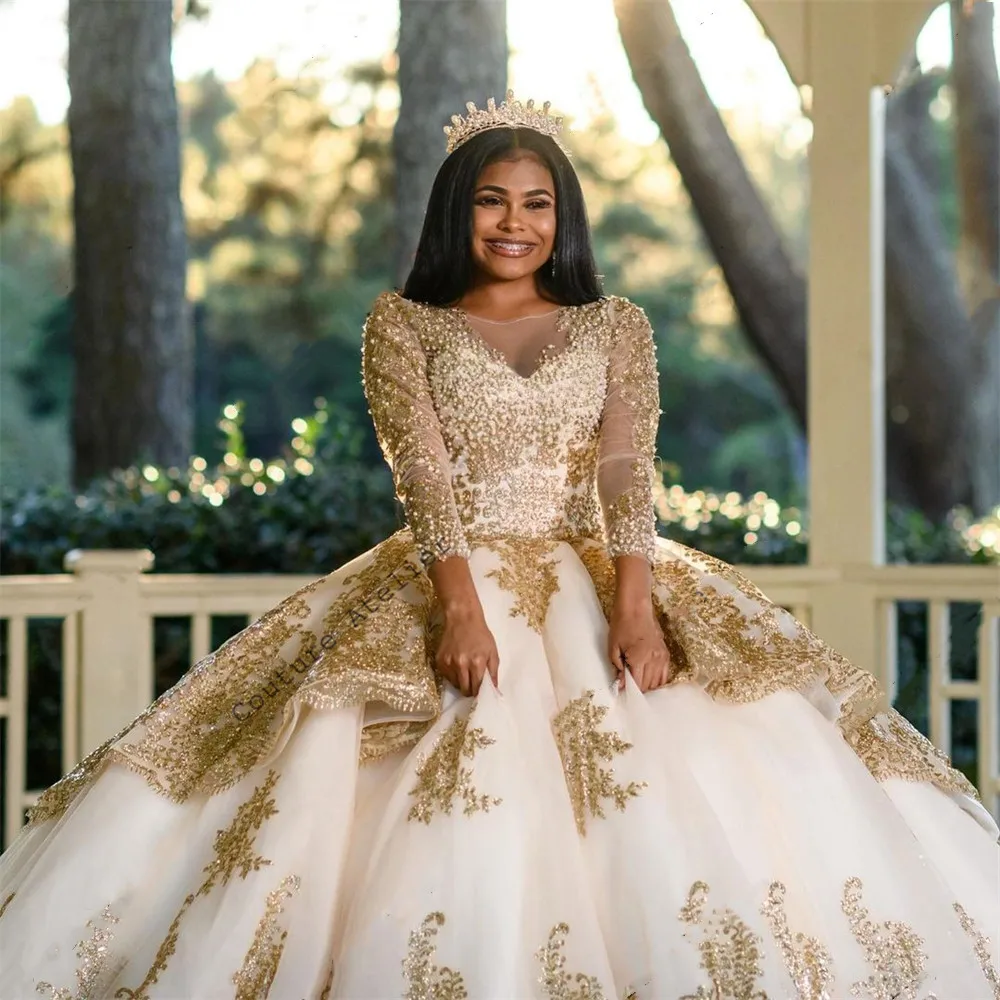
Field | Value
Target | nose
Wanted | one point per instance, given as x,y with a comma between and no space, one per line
511,220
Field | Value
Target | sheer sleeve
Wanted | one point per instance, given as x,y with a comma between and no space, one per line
394,375
627,441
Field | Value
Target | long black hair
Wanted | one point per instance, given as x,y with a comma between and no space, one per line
443,268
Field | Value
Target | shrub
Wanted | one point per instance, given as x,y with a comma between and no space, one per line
319,506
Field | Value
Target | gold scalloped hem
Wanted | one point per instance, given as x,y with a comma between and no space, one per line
377,740
191,740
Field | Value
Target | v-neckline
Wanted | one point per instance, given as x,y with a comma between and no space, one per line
543,359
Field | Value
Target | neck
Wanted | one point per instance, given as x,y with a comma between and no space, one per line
503,299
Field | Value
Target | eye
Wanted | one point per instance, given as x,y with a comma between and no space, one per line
489,199
539,204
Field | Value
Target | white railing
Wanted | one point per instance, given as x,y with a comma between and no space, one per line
107,605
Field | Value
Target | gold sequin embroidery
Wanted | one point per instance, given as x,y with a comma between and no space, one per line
319,646
556,982
518,455
233,854
981,944
891,747
584,749
730,950
425,980
723,633
808,963
629,421
94,955
529,573
6,903
260,965
894,951
394,378
631,523
443,778
385,738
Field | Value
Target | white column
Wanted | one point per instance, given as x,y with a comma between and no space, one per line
846,319
115,647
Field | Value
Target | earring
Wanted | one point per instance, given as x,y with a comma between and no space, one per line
553,263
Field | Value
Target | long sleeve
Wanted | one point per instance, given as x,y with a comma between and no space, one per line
394,375
627,445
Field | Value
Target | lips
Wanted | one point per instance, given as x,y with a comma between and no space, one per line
510,248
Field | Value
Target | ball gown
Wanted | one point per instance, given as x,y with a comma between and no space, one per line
311,812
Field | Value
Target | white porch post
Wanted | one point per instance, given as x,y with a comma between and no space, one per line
845,322
115,645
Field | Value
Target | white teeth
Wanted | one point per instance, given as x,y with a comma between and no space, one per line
511,246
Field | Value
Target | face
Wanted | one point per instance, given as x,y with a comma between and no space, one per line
514,218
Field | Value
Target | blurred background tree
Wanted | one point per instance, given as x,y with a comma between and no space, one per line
943,296
292,189
132,358
442,51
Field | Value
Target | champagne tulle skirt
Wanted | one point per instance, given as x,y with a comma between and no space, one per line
751,831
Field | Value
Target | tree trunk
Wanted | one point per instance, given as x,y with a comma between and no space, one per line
936,435
766,284
450,52
927,374
131,342
976,88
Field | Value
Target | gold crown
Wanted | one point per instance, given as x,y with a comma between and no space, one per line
510,114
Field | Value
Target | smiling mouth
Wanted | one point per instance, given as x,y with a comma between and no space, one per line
510,248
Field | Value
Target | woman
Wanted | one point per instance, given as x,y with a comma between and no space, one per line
523,747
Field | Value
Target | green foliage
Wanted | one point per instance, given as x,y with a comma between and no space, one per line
308,512
318,506
288,201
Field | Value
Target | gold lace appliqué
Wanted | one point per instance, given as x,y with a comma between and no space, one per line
723,633
893,949
528,572
556,982
584,750
233,855
94,956
443,778
890,747
808,963
232,708
425,980
981,946
260,965
730,950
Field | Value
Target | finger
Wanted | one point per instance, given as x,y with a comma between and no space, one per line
464,684
617,656
449,672
493,665
649,677
638,672
477,671
618,661
651,674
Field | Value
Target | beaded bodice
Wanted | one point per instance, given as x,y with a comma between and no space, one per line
481,449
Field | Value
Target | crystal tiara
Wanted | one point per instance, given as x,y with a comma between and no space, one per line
509,114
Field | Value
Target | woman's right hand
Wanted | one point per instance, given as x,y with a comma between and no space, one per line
467,650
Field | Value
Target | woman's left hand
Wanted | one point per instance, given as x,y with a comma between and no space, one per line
635,643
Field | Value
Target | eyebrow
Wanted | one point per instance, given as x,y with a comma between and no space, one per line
502,190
